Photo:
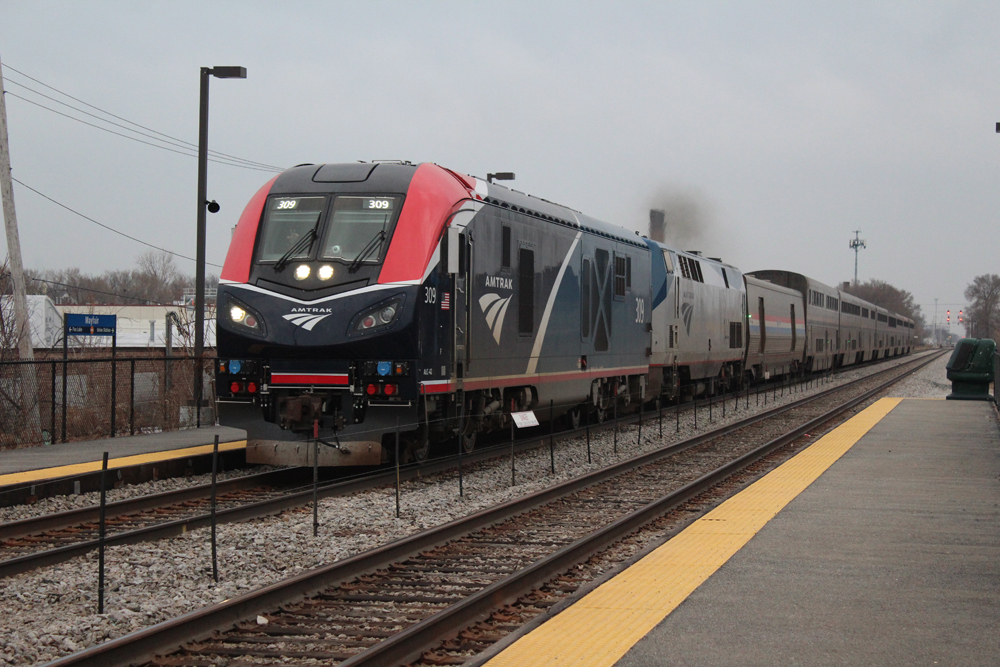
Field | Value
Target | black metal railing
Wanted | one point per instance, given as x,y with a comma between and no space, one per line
89,398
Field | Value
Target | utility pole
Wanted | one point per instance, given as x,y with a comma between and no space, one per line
29,389
856,245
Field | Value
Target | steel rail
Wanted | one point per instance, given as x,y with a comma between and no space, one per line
370,481
200,624
59,520
408,645
299,498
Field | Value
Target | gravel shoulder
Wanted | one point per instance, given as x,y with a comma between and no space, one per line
52,612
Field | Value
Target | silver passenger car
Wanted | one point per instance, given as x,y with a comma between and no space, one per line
777,327
842,329
821,304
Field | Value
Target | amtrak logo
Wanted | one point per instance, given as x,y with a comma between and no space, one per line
305,320
495,308
687,310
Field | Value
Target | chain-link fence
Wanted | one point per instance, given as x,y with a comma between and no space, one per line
87,398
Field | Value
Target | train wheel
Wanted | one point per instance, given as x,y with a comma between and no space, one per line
601,415
574,418
469,442
417,449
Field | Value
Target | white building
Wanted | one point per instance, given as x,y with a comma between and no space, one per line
44,319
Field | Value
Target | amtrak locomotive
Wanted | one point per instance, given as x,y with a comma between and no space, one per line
359,301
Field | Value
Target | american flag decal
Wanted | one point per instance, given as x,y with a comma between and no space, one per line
446,301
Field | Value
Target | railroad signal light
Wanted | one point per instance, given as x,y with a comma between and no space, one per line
959,317
949,317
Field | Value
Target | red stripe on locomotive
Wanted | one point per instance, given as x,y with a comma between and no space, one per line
307,378
237,264
432,195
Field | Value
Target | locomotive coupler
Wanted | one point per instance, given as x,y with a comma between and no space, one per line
298,413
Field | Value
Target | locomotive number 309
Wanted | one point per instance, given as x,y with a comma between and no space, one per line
430,294
640,310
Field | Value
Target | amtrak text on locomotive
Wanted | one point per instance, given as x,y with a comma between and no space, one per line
499,282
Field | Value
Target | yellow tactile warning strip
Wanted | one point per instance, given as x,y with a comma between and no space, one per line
92,466
599,629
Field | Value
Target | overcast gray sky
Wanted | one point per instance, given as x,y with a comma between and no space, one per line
791,124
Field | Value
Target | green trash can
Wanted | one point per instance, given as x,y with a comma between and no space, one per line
970,369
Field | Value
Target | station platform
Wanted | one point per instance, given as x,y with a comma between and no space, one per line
879,544
39,464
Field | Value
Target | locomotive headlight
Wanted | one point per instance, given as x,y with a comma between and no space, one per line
244,318
325,272
380,316
302,272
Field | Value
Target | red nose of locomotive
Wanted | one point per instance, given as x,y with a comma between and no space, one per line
319,321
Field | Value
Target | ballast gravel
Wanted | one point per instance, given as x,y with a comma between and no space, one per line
52,612
65,503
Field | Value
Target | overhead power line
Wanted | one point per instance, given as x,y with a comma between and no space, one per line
108,113
179,143
125,136
110,229
95,291
231,160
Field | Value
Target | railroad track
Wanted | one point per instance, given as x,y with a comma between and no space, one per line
491,571
47,540
53,538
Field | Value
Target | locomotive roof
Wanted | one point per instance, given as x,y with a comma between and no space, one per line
395,177
786,278
545,209
362,177
693,255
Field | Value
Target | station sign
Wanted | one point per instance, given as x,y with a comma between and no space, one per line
91,325
524,419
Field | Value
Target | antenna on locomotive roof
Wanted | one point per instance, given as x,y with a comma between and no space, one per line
500,176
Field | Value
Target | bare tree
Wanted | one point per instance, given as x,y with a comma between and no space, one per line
159,265
155,279
19,416
983,318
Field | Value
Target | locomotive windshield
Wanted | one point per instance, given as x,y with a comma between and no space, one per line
289,220
357,227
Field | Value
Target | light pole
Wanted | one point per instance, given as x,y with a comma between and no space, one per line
203,205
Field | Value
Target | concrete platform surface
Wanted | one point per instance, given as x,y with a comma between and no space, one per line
87,451
892,557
